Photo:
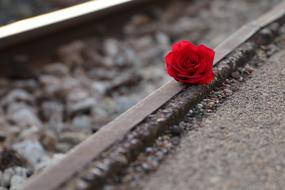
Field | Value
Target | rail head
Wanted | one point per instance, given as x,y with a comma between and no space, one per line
44,24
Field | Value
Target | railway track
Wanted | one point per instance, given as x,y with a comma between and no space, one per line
114,146
30,28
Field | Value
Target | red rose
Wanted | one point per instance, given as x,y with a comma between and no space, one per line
190,64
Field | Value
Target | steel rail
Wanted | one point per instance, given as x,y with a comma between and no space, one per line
37,26
114,131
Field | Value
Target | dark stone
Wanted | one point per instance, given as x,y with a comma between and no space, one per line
10,158
176,130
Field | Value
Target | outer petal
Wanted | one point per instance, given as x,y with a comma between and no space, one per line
206,53
172,64
183,44
169,61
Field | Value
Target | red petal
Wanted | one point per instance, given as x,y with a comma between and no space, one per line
183,44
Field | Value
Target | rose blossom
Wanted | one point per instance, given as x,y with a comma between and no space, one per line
190,64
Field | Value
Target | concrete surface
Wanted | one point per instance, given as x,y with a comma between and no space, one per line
240,147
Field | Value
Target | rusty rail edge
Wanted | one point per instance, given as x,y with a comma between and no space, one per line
86,152
44,24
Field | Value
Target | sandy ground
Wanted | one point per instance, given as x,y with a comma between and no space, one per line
241,146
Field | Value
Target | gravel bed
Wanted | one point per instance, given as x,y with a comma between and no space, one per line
11,11
92,81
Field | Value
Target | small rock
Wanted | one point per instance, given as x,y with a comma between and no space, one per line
153,74
228,92
163,40
25,118
29,84
176,130
82,106
185,26
82,122
77,94
100,87
48,139
18,95
143,43
3,137
140,19
104,74
130,55
248,69
124,103
111,47
211,104
51,85
55,124
10,158
71,53
175,141
121,61
10,171
57,69
200,106
52,109
31,132
31,150
17,182
6,179
72,138
20,171
16,106
236,75
63,147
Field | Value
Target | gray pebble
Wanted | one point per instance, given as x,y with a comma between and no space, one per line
140,19
10,171
25,118
6,179
228,92
1,178
57,69
236,75
124,103
31,150
29,85
16,106
51,85
143,43
100,87
163,40
72,137
111,47
82,122
82,106
176,130
52,109
20,171
17,95
77,94
17,182
63,147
